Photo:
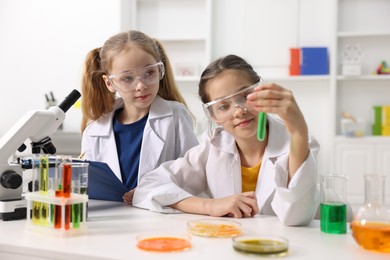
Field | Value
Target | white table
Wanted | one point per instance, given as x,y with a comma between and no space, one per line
112,228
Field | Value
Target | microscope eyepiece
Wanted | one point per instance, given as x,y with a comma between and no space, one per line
70,100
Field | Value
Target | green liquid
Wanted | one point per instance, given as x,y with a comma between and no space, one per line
36,212
333,217
76,215
262,246
51,213
44,213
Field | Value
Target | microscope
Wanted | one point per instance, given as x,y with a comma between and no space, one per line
37,126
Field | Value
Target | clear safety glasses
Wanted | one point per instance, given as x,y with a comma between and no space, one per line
223,109
129,80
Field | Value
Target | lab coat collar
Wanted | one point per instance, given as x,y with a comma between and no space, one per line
223,140
158,109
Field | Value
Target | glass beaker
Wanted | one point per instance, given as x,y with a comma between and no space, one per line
333,207
371,224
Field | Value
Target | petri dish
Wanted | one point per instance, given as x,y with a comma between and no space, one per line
270,245
164,242
214,228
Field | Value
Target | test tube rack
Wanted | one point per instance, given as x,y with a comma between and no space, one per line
64,225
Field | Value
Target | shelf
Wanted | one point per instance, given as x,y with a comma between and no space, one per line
365,77
363,34
298,78
364,139
364,26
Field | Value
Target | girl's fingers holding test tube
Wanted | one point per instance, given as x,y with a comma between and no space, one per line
268,98
272,98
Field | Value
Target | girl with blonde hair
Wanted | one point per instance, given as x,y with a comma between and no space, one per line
134,117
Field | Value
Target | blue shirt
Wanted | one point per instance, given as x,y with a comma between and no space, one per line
128,138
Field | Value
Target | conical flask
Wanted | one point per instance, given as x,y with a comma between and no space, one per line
371,224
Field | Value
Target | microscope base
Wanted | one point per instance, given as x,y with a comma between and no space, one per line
13,209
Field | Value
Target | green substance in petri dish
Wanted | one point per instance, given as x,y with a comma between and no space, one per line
333,217
261,246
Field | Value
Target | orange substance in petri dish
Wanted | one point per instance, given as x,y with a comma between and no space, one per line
164,244
372,236
216,230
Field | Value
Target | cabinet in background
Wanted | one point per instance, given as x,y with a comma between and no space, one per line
364,25
356,157
184,29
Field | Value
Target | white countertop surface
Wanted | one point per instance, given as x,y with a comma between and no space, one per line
113,227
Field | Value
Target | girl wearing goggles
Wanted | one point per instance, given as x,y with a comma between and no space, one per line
232,173
134,117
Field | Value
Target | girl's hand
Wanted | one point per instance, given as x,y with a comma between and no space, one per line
272,98
128,197
237,206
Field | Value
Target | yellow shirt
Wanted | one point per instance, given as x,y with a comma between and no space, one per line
249,177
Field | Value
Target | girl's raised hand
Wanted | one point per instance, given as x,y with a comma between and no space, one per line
272,98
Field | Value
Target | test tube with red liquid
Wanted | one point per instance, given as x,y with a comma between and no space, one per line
67,189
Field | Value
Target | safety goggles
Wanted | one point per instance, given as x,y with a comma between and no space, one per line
129,80
223,109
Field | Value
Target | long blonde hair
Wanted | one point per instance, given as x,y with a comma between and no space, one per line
97,100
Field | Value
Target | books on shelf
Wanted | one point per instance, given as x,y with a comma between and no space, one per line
309,61
381,125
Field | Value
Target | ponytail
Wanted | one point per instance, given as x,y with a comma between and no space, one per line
97,100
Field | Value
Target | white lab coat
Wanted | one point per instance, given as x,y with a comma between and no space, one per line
168,134
213,168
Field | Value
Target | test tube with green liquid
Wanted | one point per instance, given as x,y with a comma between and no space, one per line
261,126
84,190
76,208
79,186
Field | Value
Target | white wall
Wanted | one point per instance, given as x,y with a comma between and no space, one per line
42,48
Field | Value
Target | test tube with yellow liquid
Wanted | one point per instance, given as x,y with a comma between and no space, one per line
44,188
